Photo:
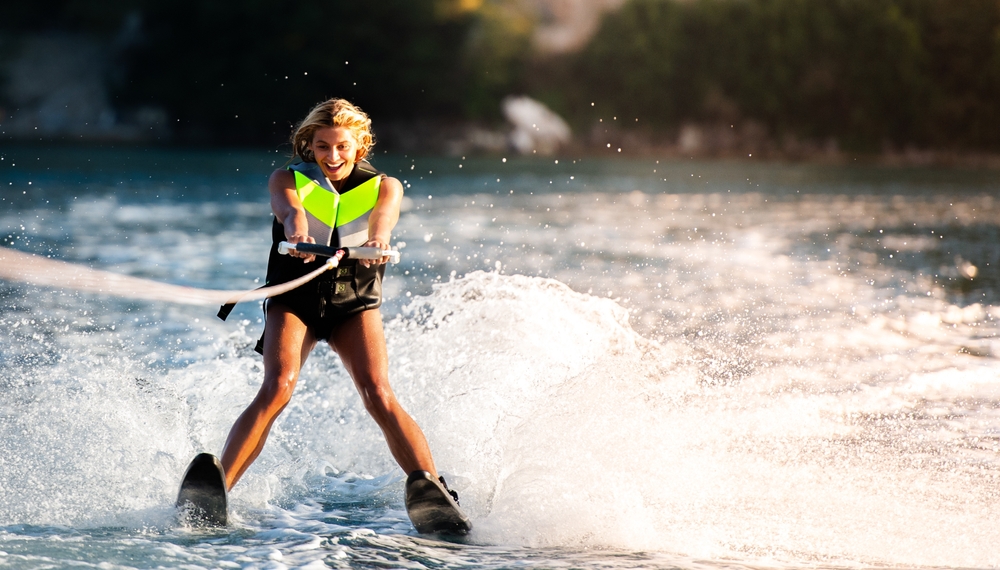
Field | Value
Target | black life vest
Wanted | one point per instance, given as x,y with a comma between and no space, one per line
336,218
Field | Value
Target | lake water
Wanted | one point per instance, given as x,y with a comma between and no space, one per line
618,364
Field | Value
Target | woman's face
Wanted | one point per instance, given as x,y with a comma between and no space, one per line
335,150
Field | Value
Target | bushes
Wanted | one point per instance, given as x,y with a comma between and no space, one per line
240,75
239,72
866,72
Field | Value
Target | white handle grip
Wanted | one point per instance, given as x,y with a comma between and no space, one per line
372,253
350,252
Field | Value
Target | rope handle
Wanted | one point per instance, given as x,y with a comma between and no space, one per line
348,252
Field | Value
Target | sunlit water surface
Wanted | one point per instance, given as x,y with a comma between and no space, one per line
618,364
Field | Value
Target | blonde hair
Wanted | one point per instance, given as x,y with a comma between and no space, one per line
333,113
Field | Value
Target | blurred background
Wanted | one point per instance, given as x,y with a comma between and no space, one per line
909,81
655,257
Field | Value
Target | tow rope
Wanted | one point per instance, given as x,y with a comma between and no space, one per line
46,272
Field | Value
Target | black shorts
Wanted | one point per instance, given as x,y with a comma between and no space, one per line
329,299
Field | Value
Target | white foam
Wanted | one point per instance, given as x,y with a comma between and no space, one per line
793,410
563,427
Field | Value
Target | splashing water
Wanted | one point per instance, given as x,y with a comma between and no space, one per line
686,379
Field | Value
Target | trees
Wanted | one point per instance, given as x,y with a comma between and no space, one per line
867,72
240,75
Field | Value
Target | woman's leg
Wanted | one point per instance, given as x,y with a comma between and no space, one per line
360,342
286,346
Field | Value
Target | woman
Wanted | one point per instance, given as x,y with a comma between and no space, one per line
333,197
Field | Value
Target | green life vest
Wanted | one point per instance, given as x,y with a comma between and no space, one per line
337,219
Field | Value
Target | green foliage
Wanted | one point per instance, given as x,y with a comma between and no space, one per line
237,75
494,57
242,72
962,43
863,71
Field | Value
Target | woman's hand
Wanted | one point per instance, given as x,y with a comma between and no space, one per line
384,246
298,238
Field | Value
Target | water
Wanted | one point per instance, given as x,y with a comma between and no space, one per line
618,364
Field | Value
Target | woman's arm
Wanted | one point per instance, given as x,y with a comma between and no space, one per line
289,211
384,216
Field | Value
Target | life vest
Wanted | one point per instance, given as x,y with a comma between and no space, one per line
337,218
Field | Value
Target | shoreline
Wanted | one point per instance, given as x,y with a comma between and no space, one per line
474,140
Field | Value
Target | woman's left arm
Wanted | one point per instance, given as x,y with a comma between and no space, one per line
384,216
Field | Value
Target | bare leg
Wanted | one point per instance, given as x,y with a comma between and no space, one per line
286,346
360,342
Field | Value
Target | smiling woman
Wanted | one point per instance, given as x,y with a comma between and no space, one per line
333,198
334,113
332,138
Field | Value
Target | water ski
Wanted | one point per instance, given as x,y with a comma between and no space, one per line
202,498
432,508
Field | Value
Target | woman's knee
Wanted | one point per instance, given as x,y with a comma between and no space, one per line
276,391
379,400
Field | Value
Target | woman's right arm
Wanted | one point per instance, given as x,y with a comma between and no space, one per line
289,211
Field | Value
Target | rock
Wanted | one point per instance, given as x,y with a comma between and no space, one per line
537,129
